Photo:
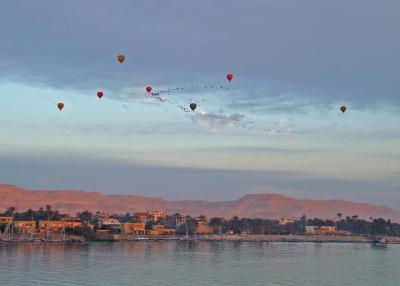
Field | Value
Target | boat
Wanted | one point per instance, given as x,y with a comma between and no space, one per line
380,242
51,240
383,240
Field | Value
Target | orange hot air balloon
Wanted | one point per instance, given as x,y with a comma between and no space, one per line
149,89
343,109
229,76
60,106
121,58
100,94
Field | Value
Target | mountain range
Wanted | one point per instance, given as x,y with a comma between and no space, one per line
273,206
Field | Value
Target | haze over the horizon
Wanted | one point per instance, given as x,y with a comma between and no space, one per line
295,63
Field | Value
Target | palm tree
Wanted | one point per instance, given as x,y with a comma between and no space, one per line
48,208
339,215
30,214
202,218
85,216
10,211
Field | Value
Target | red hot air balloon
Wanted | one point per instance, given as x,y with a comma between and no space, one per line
100,94
149,89
60,106
121,58
343,109
229,76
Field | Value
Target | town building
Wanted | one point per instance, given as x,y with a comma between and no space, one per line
286,221
322,230
326,230
133,228
157,215
140,217
59,225
159,229
71,222
25,227
110,222
203,228
6,220
310,229
51,225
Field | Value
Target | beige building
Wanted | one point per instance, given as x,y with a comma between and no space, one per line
159,229
25,227
133,228
72,222
203,228
7,220
311,229
286,221
320,230
157,215
326,230
51,225
59,225
140,217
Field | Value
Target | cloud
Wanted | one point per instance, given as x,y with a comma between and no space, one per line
312,58
216,122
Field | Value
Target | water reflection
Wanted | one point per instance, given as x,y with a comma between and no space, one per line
197,263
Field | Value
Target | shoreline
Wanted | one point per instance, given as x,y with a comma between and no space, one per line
216,238
295,238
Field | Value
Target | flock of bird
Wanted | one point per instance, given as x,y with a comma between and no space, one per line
193,105
149,90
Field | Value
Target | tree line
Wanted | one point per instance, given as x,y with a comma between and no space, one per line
187,224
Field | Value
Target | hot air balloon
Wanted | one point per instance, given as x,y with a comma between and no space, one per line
229,76
100,94
149,89
121,58
343,109
193,106
60,106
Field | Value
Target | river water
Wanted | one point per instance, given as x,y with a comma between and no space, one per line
198,263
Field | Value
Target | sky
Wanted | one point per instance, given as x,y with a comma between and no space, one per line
275,128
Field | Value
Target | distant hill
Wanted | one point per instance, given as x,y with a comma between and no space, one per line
251,206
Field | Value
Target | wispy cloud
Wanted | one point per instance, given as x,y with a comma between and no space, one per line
216,122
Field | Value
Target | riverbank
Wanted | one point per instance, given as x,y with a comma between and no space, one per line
223,238
294,238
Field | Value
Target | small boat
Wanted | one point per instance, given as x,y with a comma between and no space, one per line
51,240
380,242
383,240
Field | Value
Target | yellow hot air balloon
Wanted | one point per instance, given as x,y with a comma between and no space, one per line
121,58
